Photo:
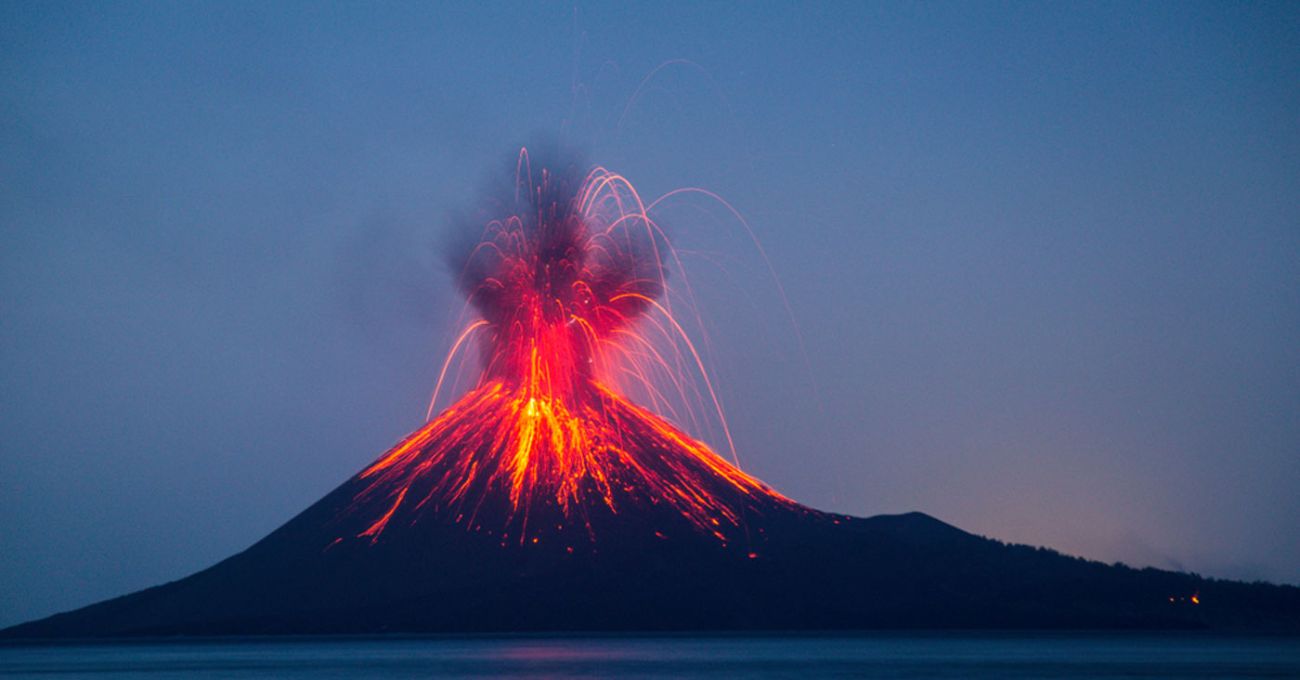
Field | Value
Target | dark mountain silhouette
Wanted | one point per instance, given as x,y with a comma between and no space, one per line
647,567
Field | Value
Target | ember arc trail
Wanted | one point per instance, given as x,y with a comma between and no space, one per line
567,282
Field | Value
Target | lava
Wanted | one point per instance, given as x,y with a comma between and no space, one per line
568,289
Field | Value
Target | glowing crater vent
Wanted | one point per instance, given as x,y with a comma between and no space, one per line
566,282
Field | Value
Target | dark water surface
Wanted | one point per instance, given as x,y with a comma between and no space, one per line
880,655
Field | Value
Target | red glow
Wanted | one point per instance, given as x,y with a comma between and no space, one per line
567,290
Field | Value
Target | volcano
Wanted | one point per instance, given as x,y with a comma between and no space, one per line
547,499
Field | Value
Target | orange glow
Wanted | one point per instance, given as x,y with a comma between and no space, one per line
576,316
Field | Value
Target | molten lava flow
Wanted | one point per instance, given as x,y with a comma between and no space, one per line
566,284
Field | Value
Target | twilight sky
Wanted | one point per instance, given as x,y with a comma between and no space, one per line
1045,263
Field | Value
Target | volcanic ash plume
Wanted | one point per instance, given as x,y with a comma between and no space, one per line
566,279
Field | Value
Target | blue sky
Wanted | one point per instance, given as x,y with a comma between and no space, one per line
1044,259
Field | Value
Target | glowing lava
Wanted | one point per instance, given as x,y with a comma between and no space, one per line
566,283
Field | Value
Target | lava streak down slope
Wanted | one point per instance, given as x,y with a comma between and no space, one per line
529,468
546,499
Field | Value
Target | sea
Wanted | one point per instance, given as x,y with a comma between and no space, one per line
873,655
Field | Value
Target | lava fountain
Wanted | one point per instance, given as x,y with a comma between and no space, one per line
566,287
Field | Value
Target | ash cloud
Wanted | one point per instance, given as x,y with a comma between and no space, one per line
532,239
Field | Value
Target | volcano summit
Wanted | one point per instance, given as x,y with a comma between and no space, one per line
546,498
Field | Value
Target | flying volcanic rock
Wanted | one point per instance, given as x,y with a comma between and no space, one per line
546,499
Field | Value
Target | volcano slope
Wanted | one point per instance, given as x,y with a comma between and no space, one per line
371,558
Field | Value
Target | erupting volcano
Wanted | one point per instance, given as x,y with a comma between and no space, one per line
563,282
562,491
